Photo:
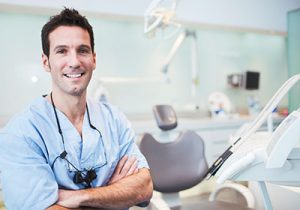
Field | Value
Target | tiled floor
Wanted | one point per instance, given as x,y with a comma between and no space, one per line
226,196
203,197
202,200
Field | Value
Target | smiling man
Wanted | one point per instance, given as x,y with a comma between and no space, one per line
66,151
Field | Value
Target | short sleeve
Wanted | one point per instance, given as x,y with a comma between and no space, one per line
27,179
127,141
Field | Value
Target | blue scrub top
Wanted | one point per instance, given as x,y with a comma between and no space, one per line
30,143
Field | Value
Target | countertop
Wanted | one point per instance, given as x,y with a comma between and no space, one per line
195,123
147,124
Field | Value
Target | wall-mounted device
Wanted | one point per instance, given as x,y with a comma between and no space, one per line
235,80
248,80
251,80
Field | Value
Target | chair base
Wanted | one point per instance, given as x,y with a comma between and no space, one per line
172,199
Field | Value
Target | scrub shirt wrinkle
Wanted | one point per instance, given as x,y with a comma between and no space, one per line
30,143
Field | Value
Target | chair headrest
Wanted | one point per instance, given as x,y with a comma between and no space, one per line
165,117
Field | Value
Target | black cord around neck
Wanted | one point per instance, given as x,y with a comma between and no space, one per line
58,123
56,117
89,119
79,176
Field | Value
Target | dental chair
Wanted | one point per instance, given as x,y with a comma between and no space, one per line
178,165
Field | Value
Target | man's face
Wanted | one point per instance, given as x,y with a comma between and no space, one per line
71,61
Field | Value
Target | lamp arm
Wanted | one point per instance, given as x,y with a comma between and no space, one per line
172,52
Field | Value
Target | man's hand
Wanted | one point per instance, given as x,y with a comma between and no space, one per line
68,198
126,167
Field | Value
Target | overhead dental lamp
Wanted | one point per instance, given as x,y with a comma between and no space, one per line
160,15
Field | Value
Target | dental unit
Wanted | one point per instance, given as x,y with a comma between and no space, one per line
264,156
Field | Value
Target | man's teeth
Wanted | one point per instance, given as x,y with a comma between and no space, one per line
73,75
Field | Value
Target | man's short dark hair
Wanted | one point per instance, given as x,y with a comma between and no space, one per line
67,17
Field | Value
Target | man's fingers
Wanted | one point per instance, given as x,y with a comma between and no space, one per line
127,165
132,168
121,164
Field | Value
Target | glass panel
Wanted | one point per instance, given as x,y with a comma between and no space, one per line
294,56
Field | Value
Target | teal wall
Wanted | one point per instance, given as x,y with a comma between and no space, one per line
294,56
123,51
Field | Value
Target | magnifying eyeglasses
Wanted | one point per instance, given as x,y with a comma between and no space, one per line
80,177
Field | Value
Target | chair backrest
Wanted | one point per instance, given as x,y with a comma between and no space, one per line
176,165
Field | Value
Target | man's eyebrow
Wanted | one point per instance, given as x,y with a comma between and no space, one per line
65,46
84,46
60,46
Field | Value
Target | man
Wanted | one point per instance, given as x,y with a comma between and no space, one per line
65,151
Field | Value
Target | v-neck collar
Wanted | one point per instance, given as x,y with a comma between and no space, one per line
64,121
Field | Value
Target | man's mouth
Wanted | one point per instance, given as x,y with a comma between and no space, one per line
73,75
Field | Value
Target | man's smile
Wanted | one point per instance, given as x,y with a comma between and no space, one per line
77,75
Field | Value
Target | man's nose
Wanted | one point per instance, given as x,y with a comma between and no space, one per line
74,61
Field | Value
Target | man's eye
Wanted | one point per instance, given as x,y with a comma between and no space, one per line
83,51
61,51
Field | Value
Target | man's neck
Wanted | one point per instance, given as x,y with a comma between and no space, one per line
72,106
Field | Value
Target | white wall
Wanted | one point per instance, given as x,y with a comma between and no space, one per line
267,15
124,52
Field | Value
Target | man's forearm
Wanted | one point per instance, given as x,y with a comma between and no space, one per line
122,194
127,192
58,207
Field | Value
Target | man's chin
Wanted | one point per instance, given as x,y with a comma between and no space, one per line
77,92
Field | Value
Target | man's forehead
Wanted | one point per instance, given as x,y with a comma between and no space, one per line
66,35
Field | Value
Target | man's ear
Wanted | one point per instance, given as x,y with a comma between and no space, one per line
46,63
94,61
